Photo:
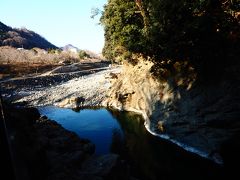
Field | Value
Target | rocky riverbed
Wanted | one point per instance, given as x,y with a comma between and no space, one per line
69,89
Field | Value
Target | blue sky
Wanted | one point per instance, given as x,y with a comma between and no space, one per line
60,21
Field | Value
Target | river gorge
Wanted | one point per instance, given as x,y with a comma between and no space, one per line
150,130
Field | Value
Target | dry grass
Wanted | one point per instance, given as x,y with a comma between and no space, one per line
35,55
20,62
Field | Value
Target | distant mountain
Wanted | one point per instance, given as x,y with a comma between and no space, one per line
94,55
22,38
70,48
74,49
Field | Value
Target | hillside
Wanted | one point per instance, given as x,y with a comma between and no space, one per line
22,38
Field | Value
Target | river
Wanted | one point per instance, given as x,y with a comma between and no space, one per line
123,133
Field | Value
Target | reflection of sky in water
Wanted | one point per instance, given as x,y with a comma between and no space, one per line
99,125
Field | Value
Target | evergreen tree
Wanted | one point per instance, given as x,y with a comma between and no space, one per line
123,28
204,32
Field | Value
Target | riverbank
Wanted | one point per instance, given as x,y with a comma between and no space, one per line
69,89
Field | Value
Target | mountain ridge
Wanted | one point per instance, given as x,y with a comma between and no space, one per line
22,38
70,47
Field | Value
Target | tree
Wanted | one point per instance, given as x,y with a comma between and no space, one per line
203,32
123,28
82,54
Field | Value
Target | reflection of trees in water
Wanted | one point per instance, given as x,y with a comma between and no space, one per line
78,109
138,151
117,141
152,158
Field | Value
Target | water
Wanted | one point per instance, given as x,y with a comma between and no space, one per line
124,133
97,125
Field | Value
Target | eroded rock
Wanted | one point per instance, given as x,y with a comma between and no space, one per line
134,89
200,117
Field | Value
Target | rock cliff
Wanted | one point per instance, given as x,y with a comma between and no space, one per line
202,117
135,89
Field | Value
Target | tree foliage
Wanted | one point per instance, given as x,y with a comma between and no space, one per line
204,32
83,54
123,28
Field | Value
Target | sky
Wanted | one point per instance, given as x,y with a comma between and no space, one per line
61,22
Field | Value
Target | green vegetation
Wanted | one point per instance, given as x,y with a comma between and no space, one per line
54,51
203,32
82,54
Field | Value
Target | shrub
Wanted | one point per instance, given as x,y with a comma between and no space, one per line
82,54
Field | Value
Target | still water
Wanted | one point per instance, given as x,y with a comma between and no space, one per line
98,125
124,133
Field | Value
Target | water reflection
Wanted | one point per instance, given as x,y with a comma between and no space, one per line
124,133
97,125
153,158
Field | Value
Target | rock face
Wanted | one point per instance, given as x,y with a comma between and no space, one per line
200,117
43,149
134,89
